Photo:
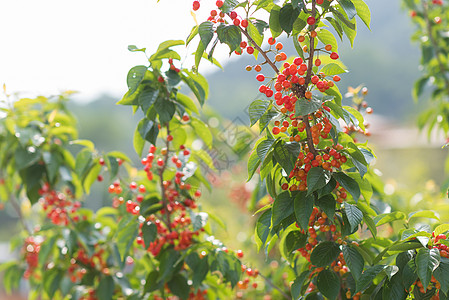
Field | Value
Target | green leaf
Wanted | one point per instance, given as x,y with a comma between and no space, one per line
151,283
256,109
253,164
51,281
83,162
284,157
206,31
264,121
363,11
255,34
317,178
149,231
46,247
179,287
229,5
367,277
298,283
148,130
354,215
294,240
349,184
423,214
440,274
91,177
165,109
25,157
264,147
389,217
427,260
327,204
134,48
187,102
354,261
170,263
202,130
282,208
105,288
349,7
86,143
275,25
303,206
229,35
328,284
327,38
287,16
332,69
146,98
441,229
419,86
197,84
134,78
138,141
200,272
127,230
262,230
169,43
305,106
324,253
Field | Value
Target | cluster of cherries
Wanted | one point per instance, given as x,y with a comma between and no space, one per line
58,205
31,250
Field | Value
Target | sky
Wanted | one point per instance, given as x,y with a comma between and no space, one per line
49,46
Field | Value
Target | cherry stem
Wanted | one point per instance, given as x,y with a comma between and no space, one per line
436,48
161,180
264,54
270,283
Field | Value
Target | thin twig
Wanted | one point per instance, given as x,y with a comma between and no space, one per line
264,54
267,280
16,207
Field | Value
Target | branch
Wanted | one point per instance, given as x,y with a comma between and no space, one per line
264,54
270,283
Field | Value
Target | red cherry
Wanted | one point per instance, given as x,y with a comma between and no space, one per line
219,3
334,55
239,253
260,77
311,20
196,5
244,23
250,50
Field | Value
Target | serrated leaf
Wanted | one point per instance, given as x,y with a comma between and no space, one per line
202,131
349,7
327,204
275,25
366,279
256,109
305,106
229,35
349,184
440,274
317,178
206,31
363,11
283,207
253,164
327,38
328,284
332,69
324,253
423,214
389,217
135,76
287,16
427,260
303,205
149,231
354,260
354,215
263,229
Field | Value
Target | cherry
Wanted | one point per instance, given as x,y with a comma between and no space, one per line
236,22
244,23
250,50
233,15
271,41
260,77
219,3
334,55
196,5
311,20
239,253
